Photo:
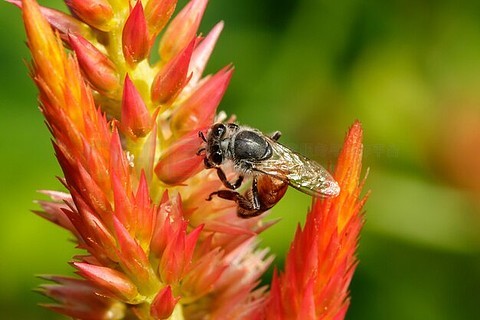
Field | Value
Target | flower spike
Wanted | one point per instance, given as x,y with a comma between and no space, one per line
126,135
321,260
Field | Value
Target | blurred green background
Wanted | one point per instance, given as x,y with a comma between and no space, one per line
409,70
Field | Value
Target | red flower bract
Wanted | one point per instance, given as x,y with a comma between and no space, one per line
321,260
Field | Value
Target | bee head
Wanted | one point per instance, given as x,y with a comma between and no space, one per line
217,142
214,153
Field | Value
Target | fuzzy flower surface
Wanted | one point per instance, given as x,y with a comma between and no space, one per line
125,133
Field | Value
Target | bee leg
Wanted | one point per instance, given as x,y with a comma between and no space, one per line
227,183
255,206
200,151
207,163
231,195
248,206
276,135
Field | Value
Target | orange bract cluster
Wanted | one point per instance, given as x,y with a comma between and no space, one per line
321,260
125,132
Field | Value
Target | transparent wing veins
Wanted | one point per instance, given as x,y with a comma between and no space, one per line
300,172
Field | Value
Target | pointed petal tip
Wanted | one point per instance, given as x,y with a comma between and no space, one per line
354,137
199,109
58,20
135,117
109,280
180,161
182,29
349,163
202,53
16,3
135,37
356,129
163,304
96,13
172,78
99,69
157,14
39,33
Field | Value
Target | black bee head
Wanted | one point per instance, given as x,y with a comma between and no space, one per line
214,152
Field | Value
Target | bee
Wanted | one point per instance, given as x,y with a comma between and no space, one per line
271,165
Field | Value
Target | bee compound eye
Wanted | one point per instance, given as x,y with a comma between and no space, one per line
217,157
218,130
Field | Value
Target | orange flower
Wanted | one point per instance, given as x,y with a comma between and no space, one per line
125,133
321,260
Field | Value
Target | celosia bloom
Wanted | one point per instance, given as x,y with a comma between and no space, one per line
125,132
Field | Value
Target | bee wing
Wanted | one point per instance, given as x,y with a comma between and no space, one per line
300,172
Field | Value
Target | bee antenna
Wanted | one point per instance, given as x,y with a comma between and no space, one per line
199,152
201,135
